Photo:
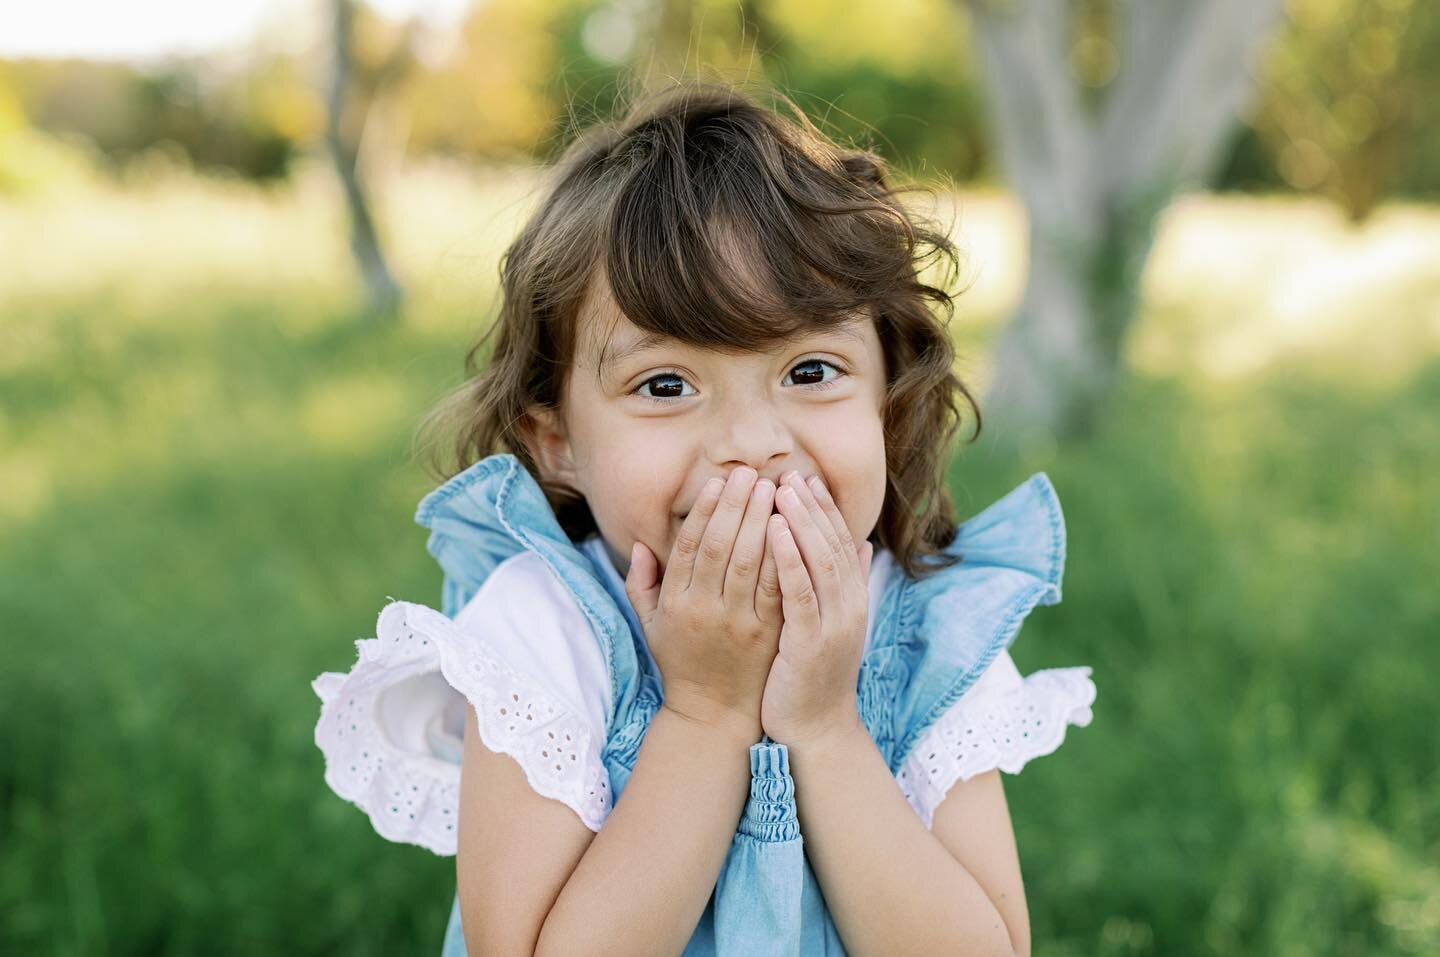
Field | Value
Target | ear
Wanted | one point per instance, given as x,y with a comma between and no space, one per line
550,444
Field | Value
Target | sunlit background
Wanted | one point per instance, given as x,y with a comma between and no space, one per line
207,414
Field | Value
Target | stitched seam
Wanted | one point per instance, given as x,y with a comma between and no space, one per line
905,613
1057,526
781,833
642,665
430,504
891,596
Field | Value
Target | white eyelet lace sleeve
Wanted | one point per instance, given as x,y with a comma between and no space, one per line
1001,721
391,727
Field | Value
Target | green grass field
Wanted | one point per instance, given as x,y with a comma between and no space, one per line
207,490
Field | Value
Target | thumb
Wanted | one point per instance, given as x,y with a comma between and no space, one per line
641,584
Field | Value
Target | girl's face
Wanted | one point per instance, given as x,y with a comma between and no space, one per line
643,433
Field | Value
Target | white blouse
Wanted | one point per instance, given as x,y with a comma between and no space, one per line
522,652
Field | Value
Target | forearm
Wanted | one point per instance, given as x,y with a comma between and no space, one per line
642,884
890,886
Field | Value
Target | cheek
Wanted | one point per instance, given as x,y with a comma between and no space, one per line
633,493
857,480
866,498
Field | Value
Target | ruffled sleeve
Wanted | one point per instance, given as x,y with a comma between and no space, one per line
1002,721
521,652
963,707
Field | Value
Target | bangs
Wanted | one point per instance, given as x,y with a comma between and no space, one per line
722,236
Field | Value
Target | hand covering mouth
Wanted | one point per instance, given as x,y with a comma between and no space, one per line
774,506
774,510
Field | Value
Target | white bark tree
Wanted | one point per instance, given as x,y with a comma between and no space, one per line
1093,182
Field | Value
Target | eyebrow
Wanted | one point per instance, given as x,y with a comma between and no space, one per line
651,339
647,341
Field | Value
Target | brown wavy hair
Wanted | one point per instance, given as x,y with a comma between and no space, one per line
655,206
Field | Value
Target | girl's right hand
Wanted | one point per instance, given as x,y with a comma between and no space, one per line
713,624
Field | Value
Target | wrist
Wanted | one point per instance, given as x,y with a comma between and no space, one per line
714,719
834,734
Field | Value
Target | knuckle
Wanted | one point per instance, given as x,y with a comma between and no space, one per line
687,545
712,551
728,505
743,564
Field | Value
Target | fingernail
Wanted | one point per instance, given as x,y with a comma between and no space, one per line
761,490
787,494
714,486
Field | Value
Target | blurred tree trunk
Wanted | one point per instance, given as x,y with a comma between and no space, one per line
1094,181
383,293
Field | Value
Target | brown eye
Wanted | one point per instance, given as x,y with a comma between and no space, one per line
812,372
661,387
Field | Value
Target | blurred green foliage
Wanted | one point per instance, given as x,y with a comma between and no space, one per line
209,494
1348,107
1344,107
248,122
31,161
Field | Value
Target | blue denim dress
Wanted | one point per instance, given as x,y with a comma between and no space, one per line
933,638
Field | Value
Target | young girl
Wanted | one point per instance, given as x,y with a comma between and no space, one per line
715,671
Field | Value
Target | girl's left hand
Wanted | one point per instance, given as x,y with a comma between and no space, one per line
825,603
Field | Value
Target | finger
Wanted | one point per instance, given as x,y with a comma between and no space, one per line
800,603
687,544
821,560
827,504
822,523
641,582
749,549
719,537
767,588
868,557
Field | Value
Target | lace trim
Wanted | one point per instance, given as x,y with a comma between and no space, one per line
999,729
413,797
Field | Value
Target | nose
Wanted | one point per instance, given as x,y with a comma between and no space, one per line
751,431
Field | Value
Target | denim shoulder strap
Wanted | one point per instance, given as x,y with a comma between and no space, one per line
493,510
950,625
